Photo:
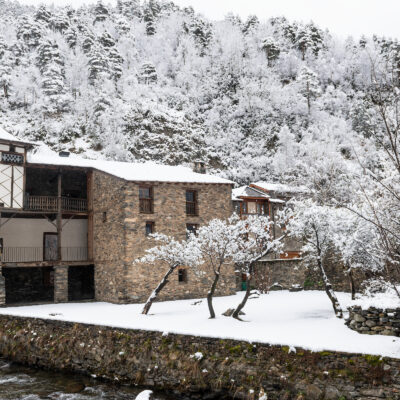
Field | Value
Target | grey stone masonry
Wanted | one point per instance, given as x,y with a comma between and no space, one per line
374,321
2,289
61,284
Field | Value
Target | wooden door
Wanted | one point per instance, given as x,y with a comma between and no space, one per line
50,245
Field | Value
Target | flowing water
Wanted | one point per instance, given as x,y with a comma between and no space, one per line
23,383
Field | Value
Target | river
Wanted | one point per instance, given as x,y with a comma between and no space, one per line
24,383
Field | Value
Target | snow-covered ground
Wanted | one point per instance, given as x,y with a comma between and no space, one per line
303,319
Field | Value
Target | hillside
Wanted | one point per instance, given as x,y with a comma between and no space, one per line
152,81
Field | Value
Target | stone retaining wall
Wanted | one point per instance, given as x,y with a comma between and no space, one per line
198,367
374,321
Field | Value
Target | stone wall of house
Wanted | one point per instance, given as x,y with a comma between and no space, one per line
109,237
374,321
290,272
2,288
120,238
169,217
198,367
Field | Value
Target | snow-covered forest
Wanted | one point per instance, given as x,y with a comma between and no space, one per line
152,81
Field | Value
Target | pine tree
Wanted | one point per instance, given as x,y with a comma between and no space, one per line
129,8
59,23
30,32
147,73
42,14
56,98
271,49
309,85
101,12
201,32
106,40
88,43
98,65
115,62
149,19
251,24
48,53
71,37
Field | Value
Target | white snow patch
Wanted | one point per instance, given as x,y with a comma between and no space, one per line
145,395
298,319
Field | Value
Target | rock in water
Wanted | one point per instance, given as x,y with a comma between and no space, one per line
145,395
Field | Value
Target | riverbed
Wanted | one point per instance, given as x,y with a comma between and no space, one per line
23,383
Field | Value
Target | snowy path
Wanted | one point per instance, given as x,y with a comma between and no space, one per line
303,319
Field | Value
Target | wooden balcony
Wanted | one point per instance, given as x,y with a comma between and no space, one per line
40,254
50,204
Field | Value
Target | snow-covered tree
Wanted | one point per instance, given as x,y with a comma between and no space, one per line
271,49
315,225
253,243
173,254
217,243
309,85
147,73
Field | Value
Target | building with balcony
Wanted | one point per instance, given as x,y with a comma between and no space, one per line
71,228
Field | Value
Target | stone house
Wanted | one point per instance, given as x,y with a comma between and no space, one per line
71,228
264,198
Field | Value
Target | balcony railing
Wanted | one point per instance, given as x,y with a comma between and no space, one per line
50,204
39,254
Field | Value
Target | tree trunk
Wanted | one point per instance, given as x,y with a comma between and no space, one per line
352,285
249,276
329,291
157,290
210,295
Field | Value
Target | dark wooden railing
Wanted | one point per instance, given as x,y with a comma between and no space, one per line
50,203
38,254
146,206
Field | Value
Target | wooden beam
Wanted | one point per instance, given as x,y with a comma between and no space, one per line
69,219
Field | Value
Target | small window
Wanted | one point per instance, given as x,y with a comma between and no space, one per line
12,148
149,228
191,202
182,275
191,228
104,216
146,199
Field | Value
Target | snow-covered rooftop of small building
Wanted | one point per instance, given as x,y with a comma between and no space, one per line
247,191
144,172
280,187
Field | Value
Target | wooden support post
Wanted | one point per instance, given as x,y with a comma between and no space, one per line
59,215
90,214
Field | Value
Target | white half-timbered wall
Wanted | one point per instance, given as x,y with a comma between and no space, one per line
11,180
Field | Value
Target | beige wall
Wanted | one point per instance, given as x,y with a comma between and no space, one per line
28,232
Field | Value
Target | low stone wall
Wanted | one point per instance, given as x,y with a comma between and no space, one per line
374,321
198,367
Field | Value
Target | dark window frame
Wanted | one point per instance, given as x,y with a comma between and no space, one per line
192,206
196,228
182,275
152,224
146,203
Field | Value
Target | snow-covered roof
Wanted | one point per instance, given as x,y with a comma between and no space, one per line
247,191
4,135
280,187
144,172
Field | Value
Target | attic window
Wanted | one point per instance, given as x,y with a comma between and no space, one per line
12,158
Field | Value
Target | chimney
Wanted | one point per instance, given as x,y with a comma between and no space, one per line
64,153
199,167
